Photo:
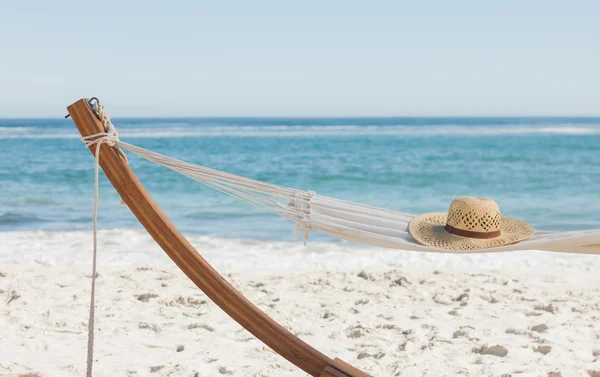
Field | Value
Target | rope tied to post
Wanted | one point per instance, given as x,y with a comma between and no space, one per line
110,137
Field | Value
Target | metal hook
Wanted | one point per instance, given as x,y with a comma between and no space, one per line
89,102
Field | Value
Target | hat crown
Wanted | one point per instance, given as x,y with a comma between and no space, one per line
474,214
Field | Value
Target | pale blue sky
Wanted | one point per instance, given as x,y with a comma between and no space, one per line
302,58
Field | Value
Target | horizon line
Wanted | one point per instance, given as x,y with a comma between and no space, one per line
323,117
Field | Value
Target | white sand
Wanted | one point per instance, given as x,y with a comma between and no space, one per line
432,317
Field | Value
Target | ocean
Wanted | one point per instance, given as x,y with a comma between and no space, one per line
545,171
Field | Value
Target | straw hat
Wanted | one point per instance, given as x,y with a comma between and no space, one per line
470,224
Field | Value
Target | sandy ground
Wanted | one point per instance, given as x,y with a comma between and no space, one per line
388,322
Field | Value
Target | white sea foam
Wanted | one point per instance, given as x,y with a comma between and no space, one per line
307,130
16,129
135,247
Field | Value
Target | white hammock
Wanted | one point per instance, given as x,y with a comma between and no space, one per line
347,220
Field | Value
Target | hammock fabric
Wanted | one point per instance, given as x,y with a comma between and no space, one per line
347,220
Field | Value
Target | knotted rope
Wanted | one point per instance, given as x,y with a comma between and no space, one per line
303,223
110,138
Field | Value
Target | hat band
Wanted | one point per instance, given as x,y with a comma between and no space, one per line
468,233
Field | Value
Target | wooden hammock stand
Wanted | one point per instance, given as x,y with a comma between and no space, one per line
196,267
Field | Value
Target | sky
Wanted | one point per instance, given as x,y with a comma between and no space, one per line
301,58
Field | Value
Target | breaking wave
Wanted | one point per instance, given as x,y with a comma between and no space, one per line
308,131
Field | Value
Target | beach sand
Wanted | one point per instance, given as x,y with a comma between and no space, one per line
437,316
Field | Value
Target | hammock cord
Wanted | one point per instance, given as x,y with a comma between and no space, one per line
347,220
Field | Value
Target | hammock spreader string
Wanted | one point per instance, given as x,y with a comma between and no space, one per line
347,220
263,195
289,203
329,209
338,218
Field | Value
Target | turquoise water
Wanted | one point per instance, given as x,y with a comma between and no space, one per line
543,170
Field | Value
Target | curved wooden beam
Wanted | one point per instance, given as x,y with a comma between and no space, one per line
197,268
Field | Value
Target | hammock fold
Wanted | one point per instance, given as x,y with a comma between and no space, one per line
347,220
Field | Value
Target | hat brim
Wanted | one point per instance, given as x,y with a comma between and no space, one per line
428,229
